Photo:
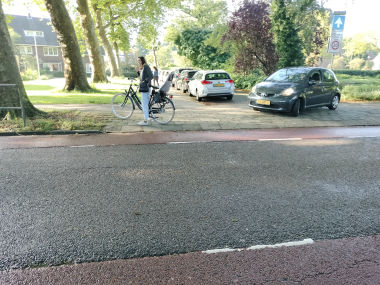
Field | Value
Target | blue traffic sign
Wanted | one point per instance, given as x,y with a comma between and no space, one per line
338,22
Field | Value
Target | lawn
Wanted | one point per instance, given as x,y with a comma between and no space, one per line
359,88
55,120
100,94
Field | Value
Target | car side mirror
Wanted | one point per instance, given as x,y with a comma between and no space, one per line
312,82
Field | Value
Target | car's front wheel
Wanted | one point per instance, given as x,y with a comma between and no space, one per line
296,108
334,102
229,97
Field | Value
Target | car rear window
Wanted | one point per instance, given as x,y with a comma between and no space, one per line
216,76
191,73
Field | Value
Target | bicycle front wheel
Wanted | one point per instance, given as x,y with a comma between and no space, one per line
122,106
162,112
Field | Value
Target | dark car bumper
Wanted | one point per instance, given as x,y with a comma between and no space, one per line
275,103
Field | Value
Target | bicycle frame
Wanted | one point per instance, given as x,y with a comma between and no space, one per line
132,94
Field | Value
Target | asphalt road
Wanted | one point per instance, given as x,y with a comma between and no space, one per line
64,205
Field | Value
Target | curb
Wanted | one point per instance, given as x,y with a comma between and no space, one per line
57,132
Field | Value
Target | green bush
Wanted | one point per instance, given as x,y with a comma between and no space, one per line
29,74
356,63
248,81
371,73
51,74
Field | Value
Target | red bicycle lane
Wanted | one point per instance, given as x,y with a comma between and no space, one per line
7,142
343,261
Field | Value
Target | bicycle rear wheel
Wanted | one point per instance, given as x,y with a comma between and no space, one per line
162,112
122,106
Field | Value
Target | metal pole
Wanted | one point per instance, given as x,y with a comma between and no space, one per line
332,61
35,47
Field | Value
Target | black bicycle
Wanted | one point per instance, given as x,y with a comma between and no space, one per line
161,108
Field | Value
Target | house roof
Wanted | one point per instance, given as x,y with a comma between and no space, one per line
26,23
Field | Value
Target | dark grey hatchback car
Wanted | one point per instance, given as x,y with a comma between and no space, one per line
294,89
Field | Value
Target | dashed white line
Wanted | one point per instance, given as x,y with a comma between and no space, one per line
284,139
87,145
188,142
358,137
291,243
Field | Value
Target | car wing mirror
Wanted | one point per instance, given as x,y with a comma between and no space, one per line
312,82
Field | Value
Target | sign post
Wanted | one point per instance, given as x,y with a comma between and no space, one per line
336,36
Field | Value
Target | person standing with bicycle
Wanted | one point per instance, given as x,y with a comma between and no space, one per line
146,76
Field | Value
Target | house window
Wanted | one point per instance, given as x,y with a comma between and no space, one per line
50,51
51,66
32,33
25,50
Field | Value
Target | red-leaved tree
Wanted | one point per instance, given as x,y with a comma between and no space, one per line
249,31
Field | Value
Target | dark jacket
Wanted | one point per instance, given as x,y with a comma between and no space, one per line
147,76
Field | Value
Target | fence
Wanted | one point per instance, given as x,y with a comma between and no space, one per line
21,100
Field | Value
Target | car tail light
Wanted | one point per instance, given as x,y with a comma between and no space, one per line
205,82
186,79
230,81
171,96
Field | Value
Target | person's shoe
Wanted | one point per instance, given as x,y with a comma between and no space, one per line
143,123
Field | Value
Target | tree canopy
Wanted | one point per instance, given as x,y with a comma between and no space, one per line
250,31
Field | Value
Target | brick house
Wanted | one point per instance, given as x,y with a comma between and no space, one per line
32,33
48,49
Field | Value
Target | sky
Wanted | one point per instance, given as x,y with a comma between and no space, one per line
361,15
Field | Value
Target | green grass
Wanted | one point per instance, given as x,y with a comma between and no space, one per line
359,88
71,99
32,87
55,120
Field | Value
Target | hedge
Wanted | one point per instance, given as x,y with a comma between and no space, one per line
358,72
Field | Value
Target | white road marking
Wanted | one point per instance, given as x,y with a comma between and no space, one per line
87,145
189,142
285,139
358,137
291,243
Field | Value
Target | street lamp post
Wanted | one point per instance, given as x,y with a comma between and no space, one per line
35,47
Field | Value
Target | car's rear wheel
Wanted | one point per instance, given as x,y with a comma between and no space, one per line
229,97
334,102
199,99
296,108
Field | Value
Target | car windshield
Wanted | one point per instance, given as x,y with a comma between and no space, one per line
288,75
216,76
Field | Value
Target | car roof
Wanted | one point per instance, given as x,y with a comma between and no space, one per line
214,71
307,68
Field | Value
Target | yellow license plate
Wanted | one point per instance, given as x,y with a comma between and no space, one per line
219,85
263,102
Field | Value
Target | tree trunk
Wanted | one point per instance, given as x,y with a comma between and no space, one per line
10,74
105,42
75,73
155,56
116,47
92,44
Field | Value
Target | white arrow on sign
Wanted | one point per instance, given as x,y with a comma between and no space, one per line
338,22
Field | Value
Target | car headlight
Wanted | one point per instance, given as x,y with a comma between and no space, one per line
288,91
253,89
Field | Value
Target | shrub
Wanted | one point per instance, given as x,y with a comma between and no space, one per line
29,74
356,63
371,73
249,80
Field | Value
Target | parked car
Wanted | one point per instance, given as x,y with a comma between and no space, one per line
295,89
211,83
182,82
177,72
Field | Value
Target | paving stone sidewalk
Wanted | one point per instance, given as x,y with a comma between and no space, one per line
220,114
